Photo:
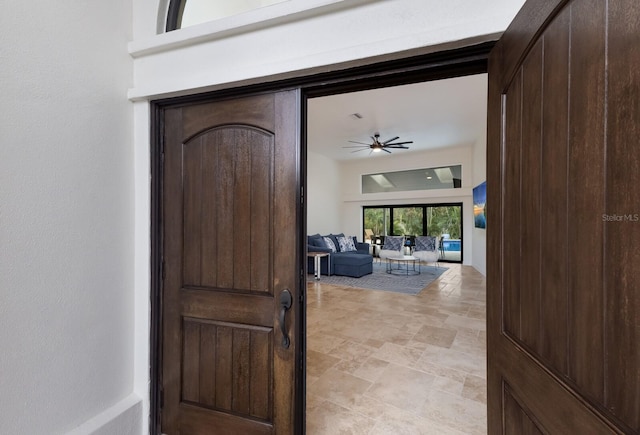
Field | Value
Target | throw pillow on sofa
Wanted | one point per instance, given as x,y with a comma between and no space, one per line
330,244
334,237
346,244
316,240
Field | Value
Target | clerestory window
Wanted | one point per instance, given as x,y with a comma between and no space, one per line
185,13
447,177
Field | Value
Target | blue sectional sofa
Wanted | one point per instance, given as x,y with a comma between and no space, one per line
342,261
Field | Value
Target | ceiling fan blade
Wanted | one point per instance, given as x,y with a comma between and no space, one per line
399,143
376,145
390,140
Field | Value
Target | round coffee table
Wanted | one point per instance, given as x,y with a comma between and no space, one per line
403,265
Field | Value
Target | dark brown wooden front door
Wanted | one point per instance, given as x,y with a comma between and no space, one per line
563,181
230,233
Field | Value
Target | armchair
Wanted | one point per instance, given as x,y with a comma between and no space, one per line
426,249
393,246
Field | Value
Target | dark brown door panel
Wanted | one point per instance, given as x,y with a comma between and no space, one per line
230,210
563,252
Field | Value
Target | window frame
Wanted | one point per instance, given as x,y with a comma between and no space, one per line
425,223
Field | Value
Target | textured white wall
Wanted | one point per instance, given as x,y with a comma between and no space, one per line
324,195
66,217
354,200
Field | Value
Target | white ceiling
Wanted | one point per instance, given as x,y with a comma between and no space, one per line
436,114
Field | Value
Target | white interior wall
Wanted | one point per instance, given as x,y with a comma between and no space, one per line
66,219
354,200
324,195
480,235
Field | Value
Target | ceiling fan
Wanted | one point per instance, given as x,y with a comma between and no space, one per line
378,146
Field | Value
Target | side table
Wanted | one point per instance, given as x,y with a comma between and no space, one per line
316,262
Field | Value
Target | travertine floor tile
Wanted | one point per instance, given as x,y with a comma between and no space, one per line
326,418
448,385
442,337
455,412
371,369
398,422
398,354
339,387
475,388
466,322
323,343
352,351
402,387
388,363
318,363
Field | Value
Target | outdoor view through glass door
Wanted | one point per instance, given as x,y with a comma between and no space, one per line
441,220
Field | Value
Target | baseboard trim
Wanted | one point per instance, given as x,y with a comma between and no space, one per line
123,418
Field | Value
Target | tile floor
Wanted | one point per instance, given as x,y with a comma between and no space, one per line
388,363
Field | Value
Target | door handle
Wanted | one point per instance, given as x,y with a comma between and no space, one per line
285,304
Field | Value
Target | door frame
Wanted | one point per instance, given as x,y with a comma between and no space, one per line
411,67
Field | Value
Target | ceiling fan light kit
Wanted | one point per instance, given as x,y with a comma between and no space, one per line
378,146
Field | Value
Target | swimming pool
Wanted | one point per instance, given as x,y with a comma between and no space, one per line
451,245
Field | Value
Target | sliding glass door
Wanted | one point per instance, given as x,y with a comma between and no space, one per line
445,222
441,220
408,221
376,219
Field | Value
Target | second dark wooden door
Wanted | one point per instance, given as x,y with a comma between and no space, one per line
231,211
563,181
